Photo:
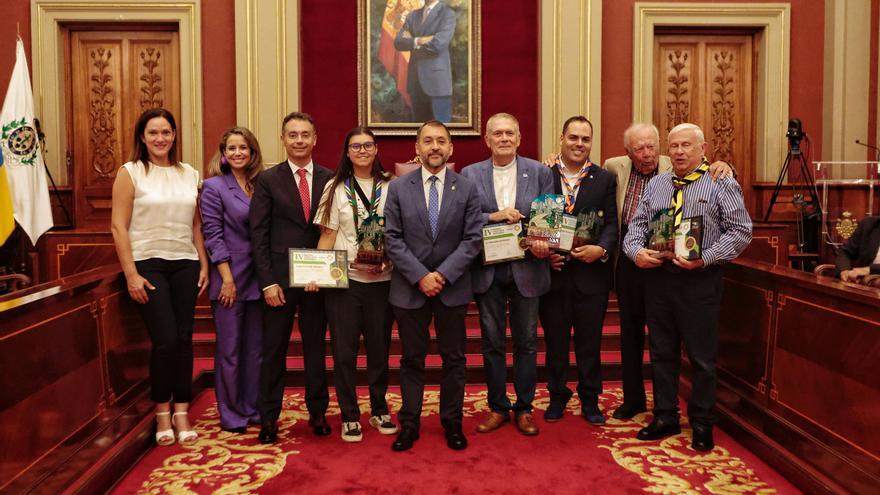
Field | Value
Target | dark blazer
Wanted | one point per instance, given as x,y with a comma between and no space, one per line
597,191
429,65
278,222
532,275
226,226
861,248
410,245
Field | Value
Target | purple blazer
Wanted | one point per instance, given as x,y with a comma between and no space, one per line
224,208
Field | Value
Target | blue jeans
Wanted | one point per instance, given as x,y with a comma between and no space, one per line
523,329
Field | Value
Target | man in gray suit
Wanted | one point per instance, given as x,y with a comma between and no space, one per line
432,234
426,34
507,184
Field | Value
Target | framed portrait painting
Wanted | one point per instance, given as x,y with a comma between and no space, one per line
419,60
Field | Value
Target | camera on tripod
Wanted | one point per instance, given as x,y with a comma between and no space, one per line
795,134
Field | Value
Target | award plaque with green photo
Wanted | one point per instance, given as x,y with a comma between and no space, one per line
545,219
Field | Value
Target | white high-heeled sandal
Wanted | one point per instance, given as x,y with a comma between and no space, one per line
185,437
165,437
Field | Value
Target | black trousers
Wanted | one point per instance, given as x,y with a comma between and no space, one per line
684,306
362,309
168,315
561,310
277,327
630,284
449,326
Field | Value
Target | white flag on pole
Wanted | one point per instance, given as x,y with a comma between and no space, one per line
21,152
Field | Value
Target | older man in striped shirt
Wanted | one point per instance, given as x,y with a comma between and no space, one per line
684,296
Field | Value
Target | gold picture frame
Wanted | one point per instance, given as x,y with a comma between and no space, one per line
386,103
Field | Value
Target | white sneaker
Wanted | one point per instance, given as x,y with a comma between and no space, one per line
351,432
383,424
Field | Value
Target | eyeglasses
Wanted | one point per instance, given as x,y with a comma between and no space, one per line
356,147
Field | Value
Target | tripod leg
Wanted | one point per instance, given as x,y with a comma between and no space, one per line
778,187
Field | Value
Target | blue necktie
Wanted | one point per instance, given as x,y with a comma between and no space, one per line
433,206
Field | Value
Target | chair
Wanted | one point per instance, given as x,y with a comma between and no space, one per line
15,281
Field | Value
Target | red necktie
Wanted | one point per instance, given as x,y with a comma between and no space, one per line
304,192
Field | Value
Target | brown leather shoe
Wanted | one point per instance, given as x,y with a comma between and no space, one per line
526,424
492,422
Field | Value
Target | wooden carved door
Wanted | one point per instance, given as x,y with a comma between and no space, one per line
708,79
113,76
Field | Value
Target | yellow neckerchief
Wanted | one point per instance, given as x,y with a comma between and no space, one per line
678,192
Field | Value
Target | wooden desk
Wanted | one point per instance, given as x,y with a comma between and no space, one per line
798,372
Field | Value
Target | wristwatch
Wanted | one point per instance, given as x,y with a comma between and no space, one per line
604,256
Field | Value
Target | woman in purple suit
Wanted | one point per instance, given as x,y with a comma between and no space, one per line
235,297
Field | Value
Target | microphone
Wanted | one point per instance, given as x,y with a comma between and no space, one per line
871,147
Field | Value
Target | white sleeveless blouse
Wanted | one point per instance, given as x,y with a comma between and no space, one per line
162,217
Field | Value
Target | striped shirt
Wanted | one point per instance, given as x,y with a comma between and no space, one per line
727,228
634,189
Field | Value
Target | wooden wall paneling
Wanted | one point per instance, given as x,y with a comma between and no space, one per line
67,253
744,349
126,346
71,347
770,243
825,380
51,383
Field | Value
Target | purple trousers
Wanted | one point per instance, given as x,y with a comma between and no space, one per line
237,361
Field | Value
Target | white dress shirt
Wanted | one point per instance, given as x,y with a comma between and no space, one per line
441,178
504,181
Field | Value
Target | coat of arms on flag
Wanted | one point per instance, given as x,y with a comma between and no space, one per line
20,141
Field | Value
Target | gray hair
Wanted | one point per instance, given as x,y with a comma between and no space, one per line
701,138
635,127
499,116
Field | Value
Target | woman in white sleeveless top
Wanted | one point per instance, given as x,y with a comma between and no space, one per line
157,232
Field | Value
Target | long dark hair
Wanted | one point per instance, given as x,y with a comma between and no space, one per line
345,170
139,150
254,167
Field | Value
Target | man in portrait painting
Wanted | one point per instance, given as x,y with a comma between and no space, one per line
426,34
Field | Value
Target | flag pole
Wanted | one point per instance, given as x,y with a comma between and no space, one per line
41,136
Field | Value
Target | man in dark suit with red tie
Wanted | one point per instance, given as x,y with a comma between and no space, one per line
282,209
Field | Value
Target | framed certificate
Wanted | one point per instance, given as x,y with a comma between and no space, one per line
329,269
501,242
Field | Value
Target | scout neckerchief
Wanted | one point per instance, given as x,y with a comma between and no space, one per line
371,206
678,192
569,188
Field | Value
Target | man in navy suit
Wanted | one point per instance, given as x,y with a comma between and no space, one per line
281,214
580,283
860,256
426,34
432,234
507,184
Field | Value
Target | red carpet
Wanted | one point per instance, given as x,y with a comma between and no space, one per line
570,456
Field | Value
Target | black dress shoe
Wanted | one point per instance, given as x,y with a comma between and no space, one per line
455,438
659,429
627,411
268,432
405,439
240,430
702,439
319,425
